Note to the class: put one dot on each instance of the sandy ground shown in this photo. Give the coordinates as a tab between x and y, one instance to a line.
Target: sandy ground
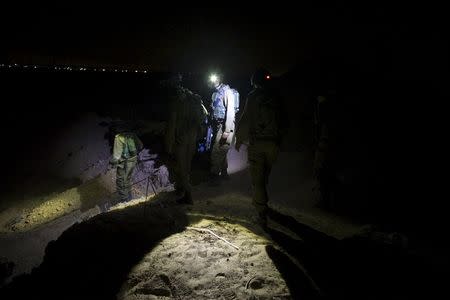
181	263
145	249
26	231
45	233
195	265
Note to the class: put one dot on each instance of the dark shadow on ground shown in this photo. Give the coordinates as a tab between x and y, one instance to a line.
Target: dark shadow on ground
358	268
91	260
298	284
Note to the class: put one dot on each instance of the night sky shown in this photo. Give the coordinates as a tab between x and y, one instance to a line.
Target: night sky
229	37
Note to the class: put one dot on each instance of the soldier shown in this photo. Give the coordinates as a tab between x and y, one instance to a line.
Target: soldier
323	167
260	125
224	105
126	148
186	115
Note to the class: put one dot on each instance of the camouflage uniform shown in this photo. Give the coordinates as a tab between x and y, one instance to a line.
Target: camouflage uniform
223	115
323	167
260	125
126	147
186	116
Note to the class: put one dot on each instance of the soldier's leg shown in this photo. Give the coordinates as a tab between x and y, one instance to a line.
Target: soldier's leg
130	166
176	169
326	188
218	153
120	182
271	151
186	151
226	148
182	165
256	159
319	179
190	153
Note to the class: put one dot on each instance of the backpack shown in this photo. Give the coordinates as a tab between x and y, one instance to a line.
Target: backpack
236	100
219	109
133	145
268	123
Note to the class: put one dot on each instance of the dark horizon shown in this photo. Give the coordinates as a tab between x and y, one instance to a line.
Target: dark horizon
195	39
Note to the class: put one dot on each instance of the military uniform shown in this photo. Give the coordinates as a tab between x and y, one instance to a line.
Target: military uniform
126	148
187	113
260	125
324	167
223	116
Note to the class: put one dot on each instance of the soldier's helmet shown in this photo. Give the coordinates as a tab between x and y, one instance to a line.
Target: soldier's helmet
260	77
120	126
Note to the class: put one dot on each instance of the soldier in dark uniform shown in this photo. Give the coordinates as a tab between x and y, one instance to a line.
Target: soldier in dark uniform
186	115
324	177
261	125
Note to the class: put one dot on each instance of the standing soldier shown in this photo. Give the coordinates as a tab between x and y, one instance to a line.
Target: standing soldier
324	162
261	126
186	115
224	105
126	149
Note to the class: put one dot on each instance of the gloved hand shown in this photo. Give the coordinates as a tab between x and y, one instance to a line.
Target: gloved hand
112	165
225	139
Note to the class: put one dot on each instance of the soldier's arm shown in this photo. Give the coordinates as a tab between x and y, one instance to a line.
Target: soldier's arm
205	111
229	120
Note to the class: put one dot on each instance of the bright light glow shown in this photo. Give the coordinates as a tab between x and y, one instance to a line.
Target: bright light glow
103	70
145	71
267	77
213	78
